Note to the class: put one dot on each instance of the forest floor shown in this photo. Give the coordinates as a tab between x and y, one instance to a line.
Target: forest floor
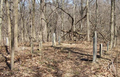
65	60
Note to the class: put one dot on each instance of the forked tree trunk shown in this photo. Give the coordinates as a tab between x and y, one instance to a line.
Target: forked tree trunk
43	21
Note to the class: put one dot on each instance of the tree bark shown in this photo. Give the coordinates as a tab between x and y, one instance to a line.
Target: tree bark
81	12
1	11
14	39
43	21
9	24
74	17
33	19
95	47
88	25
115	26
74	9
16	24
22	9
112	23
62	27
96	15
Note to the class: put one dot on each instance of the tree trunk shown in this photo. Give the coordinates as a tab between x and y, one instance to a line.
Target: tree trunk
43	21
81	12
115	27
1	6
16	24
96	15
14	41
12	51
95	47
112	23
33	19
88	25
62	27
9	24
22	22
74	11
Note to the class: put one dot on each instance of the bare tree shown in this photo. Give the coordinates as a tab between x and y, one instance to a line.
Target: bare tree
33	19
112	23
1	6
115	26
16	24
88	25
74	17
22	9
81	12
14	45
43	20
96	14
62	17
9	23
